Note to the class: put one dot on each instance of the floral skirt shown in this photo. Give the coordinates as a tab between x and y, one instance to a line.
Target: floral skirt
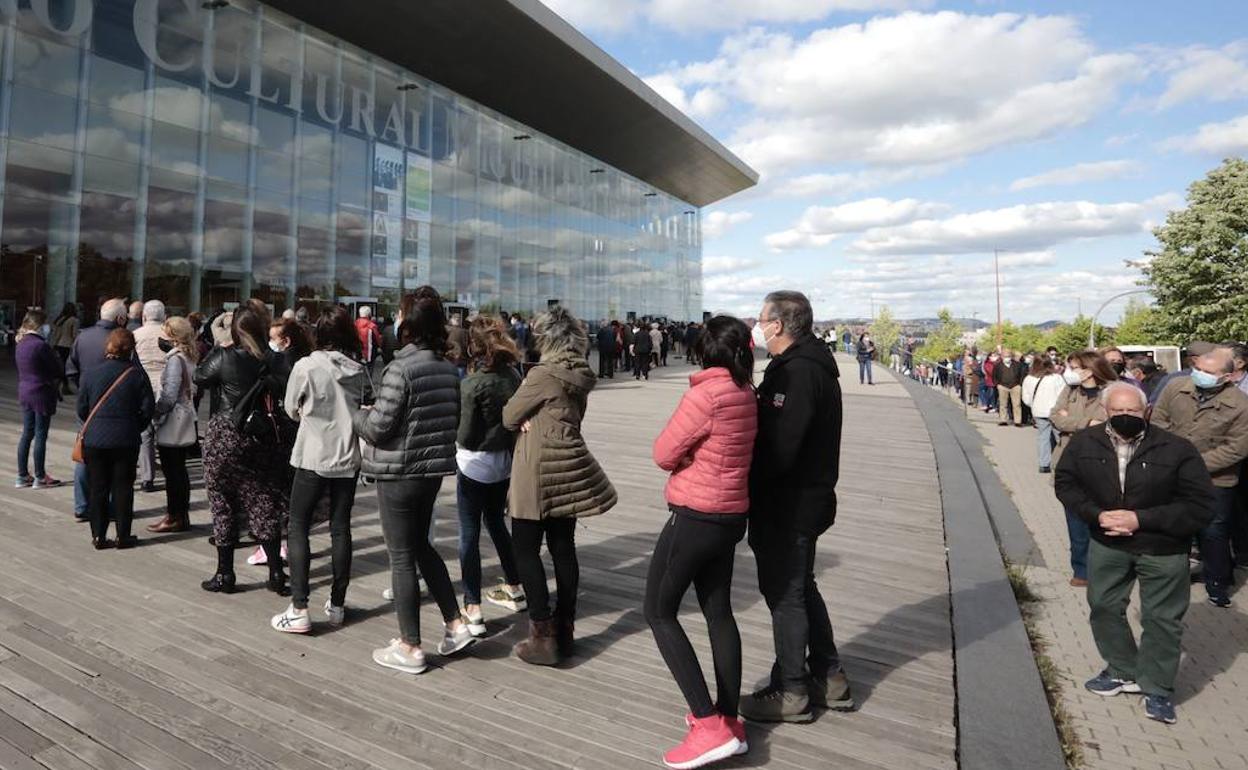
248	483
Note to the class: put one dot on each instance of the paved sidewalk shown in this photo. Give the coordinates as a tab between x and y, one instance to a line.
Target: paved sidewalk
1212	690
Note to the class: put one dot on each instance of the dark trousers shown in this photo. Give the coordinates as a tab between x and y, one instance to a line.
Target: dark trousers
177	481
799	618
1239	524
697	552
479	501
1080	536
1215	543
606	364
641	366
560	534
110	472
406	516
305	492
864	371
34	436
1165	590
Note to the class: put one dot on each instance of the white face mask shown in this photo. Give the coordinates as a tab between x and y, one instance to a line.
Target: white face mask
1072	377
276	348
760	336
1008	360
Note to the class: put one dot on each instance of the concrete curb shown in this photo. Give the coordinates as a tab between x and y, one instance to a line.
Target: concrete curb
1004	721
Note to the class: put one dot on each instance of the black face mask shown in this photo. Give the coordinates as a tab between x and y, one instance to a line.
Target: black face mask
165	345
1127	425
1119	367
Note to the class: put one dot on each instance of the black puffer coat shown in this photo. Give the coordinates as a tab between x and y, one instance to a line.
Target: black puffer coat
410	431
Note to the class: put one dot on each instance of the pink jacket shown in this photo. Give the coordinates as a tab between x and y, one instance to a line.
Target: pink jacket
708	445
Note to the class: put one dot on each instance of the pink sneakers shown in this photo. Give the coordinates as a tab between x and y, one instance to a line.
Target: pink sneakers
709	740
738	729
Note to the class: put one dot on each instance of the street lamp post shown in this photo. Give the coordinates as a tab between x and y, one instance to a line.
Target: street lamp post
1105	304
996	268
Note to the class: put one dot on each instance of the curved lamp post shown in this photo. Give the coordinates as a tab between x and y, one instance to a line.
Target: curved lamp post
1105	304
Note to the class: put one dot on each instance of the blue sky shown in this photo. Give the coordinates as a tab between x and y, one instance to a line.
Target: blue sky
901	141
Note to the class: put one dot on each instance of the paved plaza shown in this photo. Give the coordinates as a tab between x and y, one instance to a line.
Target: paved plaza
119	660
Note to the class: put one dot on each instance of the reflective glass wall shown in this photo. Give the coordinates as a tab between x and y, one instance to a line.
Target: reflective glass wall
160	149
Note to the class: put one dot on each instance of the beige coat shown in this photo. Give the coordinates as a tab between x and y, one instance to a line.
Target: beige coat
553	474
1080	411
147	347
1218	427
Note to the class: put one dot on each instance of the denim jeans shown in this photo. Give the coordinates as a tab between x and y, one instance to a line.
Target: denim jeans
80	489
1044	441
406	516
1080	536
479	501
305	492
34	436
864	371
1215	543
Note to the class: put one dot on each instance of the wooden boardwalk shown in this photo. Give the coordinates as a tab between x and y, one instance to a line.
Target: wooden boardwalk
118	659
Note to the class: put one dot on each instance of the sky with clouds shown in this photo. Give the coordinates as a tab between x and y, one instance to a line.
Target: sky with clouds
900	142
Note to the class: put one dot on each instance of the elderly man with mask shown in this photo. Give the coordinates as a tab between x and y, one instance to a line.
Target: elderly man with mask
147	347
793	479
1208	410
1144	492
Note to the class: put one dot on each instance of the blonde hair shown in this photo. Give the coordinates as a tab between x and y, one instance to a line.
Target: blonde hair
557	330
180	332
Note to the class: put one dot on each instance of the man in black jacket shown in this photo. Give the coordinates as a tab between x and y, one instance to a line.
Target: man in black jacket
606	349
1009	376
1145	493
793	501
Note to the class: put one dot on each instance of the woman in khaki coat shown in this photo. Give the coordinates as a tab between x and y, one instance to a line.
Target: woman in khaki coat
1079	407
554	480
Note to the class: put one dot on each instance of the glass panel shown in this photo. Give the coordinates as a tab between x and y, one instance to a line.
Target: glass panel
114	134
37	171
110	176
167	273
41	63
43	117
106	247
175	148
176	103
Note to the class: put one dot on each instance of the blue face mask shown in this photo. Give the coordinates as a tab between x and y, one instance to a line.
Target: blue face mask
1204	380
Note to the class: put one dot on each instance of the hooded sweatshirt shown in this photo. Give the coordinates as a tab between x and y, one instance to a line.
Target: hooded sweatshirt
797	454
553	473
324	390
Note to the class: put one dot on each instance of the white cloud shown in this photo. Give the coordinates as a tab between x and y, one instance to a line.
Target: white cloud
910	89
719	266
844	184
1209	74
1025	227
704	103
1229	138
1079	174
716	223
820	225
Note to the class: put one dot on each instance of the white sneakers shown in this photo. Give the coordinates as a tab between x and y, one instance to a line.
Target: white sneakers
292	621
457	640
396	658
475	622
388	594
503	596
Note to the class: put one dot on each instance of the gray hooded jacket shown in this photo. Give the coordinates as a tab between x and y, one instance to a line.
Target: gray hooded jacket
324	392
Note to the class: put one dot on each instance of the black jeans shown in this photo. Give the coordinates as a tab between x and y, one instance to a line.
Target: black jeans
177	480
406	515
1215	544
641	365
799	618
697	551
305	492
526	539
110	472
606	364
479	501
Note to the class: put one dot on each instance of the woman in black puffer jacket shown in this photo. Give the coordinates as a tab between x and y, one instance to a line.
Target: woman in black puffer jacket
409	436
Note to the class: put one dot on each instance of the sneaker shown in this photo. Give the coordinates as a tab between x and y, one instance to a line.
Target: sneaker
1106	684
709	740
456	641
738	730
396	658
772	704
476	623
336	615
258	558
1046	469
149	486
388	594
292	621
1220	601
23	481
505	598
47	482
1159	708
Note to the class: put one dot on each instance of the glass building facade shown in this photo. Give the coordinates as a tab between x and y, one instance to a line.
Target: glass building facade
203	155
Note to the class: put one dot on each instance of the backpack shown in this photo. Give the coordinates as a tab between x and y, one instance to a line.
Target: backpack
257	414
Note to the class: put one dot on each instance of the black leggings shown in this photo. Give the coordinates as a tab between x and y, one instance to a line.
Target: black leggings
697	551
526	541
305	493
406	516
177	481
110	475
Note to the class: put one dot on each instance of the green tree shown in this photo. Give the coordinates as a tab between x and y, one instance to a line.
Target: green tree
946	340
885	331
1021	338
1199	272
1138	325
1073	337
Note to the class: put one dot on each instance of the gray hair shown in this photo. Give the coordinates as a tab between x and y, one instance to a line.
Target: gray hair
136	309
1109	390
153	310
557	330
366	311
793	311
112	310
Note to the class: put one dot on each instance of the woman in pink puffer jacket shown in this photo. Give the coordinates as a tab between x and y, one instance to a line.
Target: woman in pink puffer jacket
707	445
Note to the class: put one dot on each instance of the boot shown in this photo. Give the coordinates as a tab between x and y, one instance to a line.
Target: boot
541	648
564	638
277	575
223	581
831	692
